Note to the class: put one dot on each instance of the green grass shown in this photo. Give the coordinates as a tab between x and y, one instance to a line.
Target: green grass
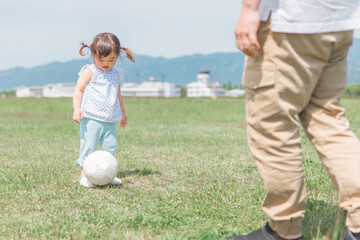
186	169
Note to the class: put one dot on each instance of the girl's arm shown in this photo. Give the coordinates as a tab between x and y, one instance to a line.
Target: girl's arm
83	80
123	122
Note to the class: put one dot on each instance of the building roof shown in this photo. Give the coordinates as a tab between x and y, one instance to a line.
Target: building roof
204	71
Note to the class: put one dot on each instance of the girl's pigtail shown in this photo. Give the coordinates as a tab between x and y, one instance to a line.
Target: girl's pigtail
129	54
82	47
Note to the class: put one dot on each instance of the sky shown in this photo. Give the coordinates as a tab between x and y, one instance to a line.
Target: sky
36	32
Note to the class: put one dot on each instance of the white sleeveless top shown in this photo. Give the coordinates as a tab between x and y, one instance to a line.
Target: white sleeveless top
99	100
311	16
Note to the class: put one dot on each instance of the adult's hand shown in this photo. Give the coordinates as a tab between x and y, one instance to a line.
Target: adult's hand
246	30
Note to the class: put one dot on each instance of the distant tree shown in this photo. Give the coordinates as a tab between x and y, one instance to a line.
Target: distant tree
352	90
8	93
183	90
228	86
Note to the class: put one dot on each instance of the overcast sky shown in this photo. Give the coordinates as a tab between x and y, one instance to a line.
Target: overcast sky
36	32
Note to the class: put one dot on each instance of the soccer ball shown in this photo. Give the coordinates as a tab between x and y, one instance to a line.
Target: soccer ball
100	167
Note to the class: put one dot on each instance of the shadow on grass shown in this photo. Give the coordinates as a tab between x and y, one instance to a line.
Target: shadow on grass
137	172
323	220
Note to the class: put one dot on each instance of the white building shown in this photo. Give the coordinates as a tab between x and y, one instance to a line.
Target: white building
203	87
25	91
150	88
235	92
59	90
50	91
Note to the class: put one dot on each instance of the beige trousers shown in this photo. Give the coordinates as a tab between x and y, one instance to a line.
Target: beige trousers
300	75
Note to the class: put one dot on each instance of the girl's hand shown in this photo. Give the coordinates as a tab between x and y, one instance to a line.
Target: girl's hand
123	122
77	114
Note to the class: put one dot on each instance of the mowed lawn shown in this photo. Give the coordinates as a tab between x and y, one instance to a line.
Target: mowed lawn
186	168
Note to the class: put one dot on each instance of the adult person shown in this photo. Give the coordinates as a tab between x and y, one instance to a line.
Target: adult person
296	66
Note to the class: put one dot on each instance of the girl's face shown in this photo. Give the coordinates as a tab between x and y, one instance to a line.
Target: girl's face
106	63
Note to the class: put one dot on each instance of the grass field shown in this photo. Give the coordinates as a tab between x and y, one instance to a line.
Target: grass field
186	169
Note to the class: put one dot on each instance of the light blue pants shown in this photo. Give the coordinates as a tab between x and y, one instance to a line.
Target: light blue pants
91	133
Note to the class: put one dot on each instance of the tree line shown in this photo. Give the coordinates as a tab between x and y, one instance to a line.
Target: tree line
352	90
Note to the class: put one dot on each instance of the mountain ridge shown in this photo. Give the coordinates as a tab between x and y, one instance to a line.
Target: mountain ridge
224	68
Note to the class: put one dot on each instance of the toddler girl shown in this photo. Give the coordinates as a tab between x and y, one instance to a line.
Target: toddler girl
97	100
